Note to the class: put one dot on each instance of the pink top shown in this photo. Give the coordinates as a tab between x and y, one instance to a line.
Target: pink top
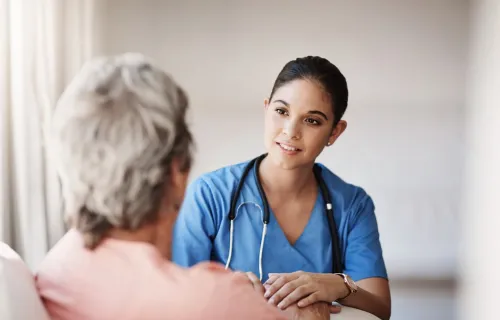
130	280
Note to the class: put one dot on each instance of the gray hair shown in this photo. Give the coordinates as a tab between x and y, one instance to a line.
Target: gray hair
114	133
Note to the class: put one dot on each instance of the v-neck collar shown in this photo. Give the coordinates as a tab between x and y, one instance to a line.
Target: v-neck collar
275	226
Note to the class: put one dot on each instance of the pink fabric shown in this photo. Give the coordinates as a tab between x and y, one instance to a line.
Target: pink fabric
130	280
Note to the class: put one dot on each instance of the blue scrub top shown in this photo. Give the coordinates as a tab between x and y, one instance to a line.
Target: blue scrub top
201	231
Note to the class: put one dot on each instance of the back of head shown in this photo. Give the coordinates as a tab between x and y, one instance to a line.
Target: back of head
323	72
113	135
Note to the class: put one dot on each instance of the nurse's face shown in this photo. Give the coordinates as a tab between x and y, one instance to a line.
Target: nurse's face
299	124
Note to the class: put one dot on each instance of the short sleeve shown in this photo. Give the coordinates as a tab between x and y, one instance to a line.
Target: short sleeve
363	256
195	226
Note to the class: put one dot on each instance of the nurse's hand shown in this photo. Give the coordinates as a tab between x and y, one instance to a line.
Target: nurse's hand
304	288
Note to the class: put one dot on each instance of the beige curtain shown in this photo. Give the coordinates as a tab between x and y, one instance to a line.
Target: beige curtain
42	44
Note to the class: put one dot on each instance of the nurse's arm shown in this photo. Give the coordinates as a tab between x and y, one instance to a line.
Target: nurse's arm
364	262
195	226
373	296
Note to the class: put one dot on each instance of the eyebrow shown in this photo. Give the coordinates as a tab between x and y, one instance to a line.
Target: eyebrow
316	112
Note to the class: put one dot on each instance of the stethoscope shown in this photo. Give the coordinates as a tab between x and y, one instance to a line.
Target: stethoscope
337	266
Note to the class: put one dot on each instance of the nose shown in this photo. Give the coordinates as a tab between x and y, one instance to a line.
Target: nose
291	129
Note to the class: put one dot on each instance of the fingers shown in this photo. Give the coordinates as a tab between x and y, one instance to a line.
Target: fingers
252	277
300	291
274	276
271	279
256	282
271	275
335	308
308	300
276	285
283	293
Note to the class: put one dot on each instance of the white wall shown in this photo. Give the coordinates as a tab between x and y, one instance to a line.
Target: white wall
405	62
480	263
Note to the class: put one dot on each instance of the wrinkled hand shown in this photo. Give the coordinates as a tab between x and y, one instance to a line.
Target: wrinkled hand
303	288
255	282
315	311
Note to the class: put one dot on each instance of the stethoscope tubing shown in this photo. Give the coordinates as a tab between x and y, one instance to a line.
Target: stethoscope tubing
337	265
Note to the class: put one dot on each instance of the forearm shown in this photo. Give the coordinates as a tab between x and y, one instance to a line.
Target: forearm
368	302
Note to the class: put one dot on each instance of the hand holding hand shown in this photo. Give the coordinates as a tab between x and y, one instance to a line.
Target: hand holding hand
304	288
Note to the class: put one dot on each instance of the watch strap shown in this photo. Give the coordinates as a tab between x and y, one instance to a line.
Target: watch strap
351	286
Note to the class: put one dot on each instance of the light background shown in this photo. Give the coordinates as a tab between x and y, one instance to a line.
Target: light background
406	64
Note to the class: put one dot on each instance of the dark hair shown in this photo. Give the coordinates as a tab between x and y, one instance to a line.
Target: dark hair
322	71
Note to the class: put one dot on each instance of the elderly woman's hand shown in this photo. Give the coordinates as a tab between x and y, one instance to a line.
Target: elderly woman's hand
257	285
304	288
316	311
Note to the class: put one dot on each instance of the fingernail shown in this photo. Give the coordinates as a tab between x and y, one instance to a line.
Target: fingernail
280	305
267	294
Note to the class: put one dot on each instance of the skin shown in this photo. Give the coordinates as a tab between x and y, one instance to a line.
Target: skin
315	311
300	115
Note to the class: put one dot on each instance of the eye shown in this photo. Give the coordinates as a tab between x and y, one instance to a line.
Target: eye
281	111
313	121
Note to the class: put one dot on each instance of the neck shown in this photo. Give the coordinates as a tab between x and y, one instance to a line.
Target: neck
146	233
284	182
157	235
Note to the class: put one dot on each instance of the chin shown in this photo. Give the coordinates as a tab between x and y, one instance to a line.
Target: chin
286	162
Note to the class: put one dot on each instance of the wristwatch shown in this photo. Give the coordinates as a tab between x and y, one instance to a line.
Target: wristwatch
350	284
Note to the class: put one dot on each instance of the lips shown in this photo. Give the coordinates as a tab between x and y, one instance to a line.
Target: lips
288	147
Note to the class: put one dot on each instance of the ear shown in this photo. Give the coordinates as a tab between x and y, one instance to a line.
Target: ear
266	103
337	132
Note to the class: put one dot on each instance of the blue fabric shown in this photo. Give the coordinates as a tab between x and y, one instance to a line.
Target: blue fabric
202	229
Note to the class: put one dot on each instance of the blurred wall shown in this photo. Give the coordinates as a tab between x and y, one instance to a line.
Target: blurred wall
405	62
481	220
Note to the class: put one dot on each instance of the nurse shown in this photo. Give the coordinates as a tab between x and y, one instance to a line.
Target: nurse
289	246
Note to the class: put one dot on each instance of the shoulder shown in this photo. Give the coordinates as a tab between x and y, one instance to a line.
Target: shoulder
346	196
210	193
222	177
218	183
68	250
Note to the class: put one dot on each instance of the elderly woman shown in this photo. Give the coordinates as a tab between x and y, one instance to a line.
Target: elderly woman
122	149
